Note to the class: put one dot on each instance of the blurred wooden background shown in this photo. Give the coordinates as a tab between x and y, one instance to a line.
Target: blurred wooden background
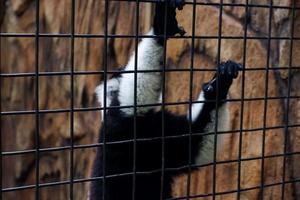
17	56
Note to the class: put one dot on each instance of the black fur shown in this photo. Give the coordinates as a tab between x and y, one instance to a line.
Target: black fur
119	135
120	154
165	13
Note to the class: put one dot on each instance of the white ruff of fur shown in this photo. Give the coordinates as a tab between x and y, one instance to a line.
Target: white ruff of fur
148	84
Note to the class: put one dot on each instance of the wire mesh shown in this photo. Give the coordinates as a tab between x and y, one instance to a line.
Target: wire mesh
72	110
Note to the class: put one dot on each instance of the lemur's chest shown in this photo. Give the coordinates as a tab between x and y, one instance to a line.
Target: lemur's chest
145	141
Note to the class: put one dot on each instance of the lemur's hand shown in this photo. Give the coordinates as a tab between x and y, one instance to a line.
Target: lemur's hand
168	8
176	3
226	73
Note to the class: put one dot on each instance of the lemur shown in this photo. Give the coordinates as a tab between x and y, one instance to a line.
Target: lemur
143	152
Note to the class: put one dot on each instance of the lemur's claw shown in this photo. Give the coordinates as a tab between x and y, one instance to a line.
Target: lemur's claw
230	69
227	71
180	4
176	3
165	21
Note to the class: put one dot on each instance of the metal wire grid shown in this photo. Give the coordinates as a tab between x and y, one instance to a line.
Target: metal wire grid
72	73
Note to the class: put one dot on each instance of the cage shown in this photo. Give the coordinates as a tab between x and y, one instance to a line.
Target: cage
54	53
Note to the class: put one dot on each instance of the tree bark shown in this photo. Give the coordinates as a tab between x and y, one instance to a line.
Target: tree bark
18	93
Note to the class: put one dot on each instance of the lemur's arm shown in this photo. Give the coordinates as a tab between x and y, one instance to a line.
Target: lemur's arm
203	114
148	84
149	57
203	120
120	92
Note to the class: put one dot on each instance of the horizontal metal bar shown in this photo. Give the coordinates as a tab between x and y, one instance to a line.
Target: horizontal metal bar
101	72
47	111
59	183
78	35
251	5
235	191
52	149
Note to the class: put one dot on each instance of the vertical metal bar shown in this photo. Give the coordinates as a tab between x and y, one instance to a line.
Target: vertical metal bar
217	96
266	100
163	104
286	129
72	99
188	185
37	116
1	115
104	100
137	13
242	102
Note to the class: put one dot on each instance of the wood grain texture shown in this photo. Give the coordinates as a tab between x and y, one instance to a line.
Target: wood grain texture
17	56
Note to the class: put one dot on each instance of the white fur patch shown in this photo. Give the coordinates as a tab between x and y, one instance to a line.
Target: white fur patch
150	54
197	107
206	153
112	85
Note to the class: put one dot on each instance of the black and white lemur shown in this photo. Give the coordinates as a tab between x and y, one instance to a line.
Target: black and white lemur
120	128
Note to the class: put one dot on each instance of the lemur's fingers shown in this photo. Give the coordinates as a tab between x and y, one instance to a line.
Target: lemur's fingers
227	72
230	69
177	3
165	18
